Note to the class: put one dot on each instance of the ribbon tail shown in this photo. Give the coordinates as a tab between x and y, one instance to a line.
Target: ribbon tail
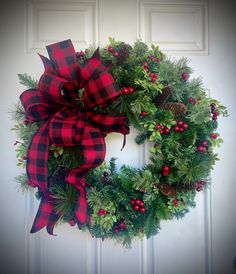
46	216
82	211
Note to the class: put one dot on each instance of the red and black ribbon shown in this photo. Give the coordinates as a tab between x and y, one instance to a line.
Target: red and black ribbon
66	123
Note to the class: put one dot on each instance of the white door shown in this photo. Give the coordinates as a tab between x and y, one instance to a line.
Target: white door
204	241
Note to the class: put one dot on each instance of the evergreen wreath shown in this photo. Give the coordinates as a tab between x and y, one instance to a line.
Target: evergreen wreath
171	111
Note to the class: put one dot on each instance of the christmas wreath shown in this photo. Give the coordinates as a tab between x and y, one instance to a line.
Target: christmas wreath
64	117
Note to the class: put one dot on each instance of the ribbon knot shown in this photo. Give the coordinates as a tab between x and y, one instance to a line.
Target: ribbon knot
69	123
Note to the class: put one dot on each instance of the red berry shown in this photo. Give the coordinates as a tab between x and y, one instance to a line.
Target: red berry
145	64
151	57
164	173
151	74
176	129
116	54
146	68
72	222
116	230
141	204
203	143
216	113
167	130
136	207
213	135
201	149
26	122
110	49
137	202
24	157
181	129
158	60
125	90
158	126
214	118
175	203
130	89
166	169
184	76
180	123
161	131
185	126
142	210
143	114
153	79
132	202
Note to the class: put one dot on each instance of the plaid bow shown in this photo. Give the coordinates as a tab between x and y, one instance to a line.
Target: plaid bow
68	124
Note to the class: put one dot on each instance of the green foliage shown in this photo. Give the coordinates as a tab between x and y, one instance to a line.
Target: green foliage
65	197
28	81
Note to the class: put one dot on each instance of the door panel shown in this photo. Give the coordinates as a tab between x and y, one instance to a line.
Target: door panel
203	241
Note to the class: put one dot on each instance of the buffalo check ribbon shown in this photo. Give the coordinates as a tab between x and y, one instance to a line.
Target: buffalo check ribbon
67	123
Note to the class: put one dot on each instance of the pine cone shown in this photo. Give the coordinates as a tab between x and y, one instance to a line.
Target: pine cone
177	108
58	177
161	98
167	190
123	53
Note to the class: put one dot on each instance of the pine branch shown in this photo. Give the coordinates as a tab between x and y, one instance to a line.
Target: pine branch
28	81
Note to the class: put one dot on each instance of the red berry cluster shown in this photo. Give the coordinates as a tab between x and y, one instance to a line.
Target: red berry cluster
102	212
214	136
180	126
119	227
138	205
184	76
175	203
202	146
162	129
165	171
127	90
214	112
153	77
111	50
192	101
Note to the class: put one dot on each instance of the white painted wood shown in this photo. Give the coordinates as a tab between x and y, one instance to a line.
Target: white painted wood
203	242
48	22
185	30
